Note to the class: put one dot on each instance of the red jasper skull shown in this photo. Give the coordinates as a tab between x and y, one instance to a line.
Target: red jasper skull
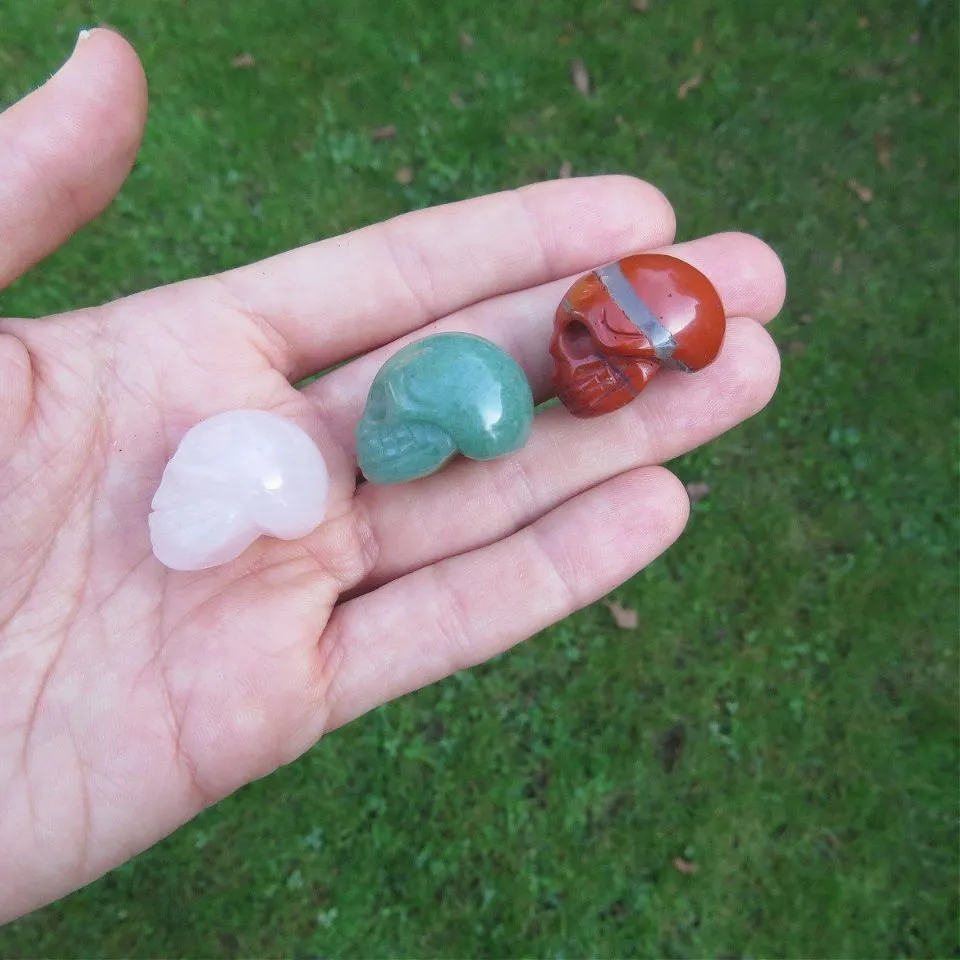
618	325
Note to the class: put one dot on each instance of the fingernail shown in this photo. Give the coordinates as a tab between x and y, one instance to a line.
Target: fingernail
81	36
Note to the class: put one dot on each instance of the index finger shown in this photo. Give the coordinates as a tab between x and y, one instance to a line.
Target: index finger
334	299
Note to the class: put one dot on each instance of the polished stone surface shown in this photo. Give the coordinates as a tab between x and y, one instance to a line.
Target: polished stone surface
620	324
235	477
444	394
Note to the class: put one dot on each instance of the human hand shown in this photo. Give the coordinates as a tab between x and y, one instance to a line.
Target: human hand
130	696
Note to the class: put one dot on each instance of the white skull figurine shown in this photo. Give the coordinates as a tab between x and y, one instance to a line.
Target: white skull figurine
233	478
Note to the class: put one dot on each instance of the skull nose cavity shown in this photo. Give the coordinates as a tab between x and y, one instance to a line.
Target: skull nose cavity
577	341
376	408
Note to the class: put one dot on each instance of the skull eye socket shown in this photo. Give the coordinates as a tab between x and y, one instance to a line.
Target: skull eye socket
376	408
576	340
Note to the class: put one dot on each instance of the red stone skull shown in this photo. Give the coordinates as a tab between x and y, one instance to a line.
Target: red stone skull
618	325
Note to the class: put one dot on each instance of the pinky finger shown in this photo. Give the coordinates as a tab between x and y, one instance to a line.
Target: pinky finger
466	609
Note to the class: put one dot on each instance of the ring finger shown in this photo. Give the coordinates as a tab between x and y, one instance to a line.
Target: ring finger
745	271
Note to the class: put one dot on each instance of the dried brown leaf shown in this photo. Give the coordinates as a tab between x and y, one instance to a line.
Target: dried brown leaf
837	265
566	170
457	100
882	144
688	85
685	867
863	22
864	194
697	491
796	347
580	76
670	746
624	617
466	40
244	61
915	98
641	6
384	133
404	176
698	46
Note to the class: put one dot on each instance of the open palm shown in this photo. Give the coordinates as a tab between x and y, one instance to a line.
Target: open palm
131	696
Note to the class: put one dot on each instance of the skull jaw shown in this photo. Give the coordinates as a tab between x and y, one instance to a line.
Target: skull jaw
399	452
598	385
200	534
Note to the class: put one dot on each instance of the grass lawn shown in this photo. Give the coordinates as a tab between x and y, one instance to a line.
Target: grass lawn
767	764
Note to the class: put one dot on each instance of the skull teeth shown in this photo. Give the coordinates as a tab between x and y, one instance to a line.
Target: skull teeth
396	442
601	380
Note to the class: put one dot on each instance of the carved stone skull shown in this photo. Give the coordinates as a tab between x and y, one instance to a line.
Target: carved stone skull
447	393
234	477
618	325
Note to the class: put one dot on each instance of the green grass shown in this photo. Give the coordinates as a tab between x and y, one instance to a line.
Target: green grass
785	717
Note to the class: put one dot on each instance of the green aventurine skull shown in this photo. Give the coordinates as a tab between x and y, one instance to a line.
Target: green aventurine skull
446	393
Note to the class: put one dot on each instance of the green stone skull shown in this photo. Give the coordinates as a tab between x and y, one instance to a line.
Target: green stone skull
444	394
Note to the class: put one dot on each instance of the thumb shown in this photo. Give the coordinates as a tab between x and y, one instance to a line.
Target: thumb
67	147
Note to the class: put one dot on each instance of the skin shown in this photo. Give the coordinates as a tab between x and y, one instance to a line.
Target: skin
131	697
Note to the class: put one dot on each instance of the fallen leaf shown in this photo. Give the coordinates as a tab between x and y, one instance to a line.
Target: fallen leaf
865	194
806	318
581	78
624	617
384	133
837	265
914	38
243	61
566	170
670	746
688	85
685	866
882	144
698	46
404	176
863	22
457	100
466	40
862	71
697	491
796	347
641	6
862	221
915	98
